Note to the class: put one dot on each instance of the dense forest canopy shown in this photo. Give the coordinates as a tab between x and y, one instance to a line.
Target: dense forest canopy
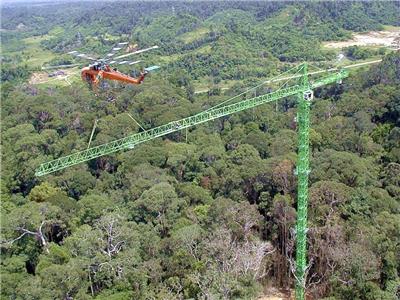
210	214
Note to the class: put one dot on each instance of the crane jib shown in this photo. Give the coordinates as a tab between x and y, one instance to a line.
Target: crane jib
130	141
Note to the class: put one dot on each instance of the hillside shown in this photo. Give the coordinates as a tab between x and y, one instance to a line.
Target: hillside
208	213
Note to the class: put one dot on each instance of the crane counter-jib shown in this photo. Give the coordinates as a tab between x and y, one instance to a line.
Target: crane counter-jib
130	141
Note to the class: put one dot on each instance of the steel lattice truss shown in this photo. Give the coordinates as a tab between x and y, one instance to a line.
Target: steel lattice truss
130	141
304	91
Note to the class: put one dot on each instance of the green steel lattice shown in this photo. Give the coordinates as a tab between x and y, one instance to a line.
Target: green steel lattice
130	141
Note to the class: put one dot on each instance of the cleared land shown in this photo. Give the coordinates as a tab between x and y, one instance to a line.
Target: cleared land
43	77
386	38
196	34
275	294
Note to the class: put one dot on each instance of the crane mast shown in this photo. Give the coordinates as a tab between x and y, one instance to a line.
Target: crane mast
304	92
302	171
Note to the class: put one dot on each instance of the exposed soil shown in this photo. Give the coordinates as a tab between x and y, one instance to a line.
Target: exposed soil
43	77
374	38
275	294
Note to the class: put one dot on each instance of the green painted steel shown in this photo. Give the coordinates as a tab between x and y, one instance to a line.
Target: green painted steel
130	141
304	92
302	171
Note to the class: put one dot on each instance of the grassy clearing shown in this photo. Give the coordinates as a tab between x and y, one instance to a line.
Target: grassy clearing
166	59
204	84
30	51
203	50
391	28
196	34
34	54
55	31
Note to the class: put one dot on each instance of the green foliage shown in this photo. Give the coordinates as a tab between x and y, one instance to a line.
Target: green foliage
164	28
14	73
357	52
209	214
344	167
386	73
42	192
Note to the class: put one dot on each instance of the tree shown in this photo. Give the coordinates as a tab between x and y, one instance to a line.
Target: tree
42	192
327	200
345	167
92	207
159	206
42	221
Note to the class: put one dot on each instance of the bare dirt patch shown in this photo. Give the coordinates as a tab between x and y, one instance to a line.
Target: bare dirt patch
275	294
385	38
43	77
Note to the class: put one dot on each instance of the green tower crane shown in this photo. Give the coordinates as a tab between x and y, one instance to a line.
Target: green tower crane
302	171
303	89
